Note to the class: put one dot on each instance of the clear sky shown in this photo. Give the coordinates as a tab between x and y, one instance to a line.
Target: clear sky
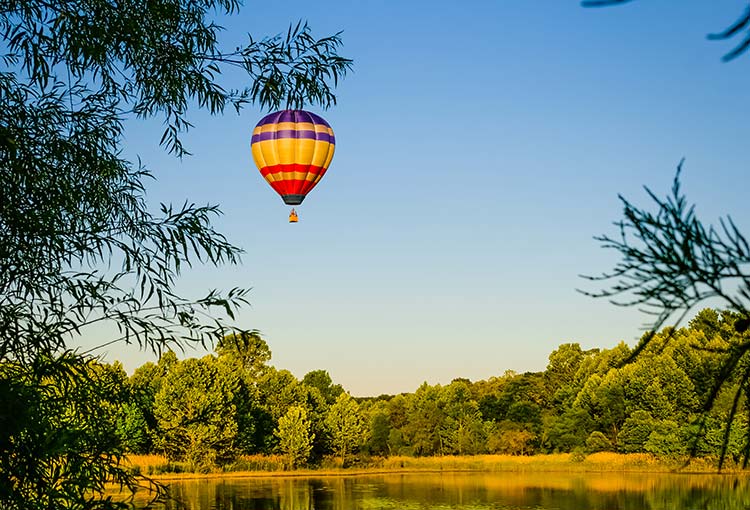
480	147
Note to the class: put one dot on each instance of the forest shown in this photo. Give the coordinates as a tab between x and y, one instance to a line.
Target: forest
209	412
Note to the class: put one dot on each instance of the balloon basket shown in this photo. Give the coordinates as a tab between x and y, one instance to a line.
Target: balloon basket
293	218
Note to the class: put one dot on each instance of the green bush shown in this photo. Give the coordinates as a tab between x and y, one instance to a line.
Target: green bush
598	442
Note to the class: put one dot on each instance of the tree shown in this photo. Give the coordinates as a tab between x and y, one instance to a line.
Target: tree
426	419
569	430
346	426
278	391
247	351
734	30
563	366
133	429
380	431
510	439
58	418
196	413
666	439
635	432
247	354
603	398
321	380
462	431
295	436
598	442
671	263
143	385
78	244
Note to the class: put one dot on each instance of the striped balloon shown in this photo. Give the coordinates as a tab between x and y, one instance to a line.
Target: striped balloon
292	149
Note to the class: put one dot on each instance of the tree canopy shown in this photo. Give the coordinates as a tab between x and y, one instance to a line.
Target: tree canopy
214	414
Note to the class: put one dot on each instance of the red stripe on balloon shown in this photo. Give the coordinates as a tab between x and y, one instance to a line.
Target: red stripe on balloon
292	187
274	169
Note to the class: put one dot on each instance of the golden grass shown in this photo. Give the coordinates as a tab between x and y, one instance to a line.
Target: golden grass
144	462
265	465
564	462
147	464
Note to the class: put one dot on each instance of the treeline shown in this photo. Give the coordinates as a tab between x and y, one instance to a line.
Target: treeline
208	411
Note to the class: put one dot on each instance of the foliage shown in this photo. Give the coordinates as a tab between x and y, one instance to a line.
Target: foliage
380	433
510	439
196	414
598	442
247	351
635	432
58	417
144	384
321	380
132	428
215	413
569	430
346	426
671	261
425	419
666	440
295	436
462	430
246	356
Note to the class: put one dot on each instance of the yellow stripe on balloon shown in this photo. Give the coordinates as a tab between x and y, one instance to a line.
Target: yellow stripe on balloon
293	176
288	151
329	156
298	126
264	154
260	161
304	150
258	156
323	154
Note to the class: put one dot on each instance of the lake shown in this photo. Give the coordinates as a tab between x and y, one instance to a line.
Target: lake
469	491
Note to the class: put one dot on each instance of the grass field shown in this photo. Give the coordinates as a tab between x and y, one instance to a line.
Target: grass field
264	465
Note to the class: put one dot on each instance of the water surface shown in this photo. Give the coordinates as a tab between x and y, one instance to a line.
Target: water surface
469	491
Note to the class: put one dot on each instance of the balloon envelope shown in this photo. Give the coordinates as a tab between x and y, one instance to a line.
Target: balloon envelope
292	149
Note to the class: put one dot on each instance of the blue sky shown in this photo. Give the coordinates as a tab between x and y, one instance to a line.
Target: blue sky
480	147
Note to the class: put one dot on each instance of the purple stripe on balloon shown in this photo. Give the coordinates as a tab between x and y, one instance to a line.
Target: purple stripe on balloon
291	133
268	119
287	116
318	120
292	116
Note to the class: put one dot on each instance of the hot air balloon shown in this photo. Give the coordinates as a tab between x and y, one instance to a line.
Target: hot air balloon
292	149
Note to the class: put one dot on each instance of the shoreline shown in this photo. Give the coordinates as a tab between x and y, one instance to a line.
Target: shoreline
150	466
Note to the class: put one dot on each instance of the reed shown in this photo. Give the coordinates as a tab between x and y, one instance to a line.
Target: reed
258	463
149	464
569	462
559	462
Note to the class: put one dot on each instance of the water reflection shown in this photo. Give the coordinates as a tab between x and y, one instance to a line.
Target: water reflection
469	491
